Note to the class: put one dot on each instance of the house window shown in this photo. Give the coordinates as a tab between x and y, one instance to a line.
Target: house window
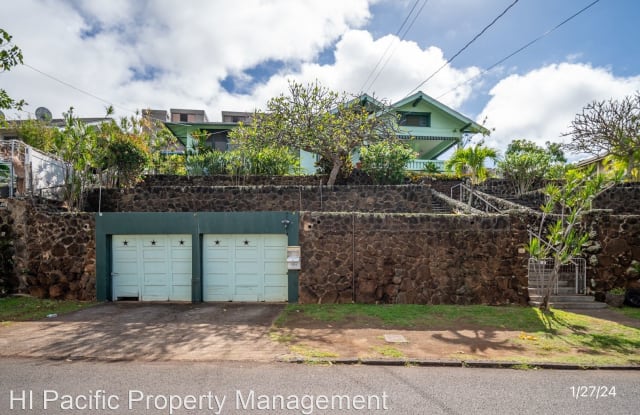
416	120
184	117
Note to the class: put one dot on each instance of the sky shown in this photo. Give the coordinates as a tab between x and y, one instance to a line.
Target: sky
221	55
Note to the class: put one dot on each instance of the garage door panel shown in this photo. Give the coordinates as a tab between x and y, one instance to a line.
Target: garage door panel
155	254
275	294
182	255
178	242
275	268
154	241
245	268
246	254
157	267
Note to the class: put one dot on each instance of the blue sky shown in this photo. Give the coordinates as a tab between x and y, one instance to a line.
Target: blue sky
214	55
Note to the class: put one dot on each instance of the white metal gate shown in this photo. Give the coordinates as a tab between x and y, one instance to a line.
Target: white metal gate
572	277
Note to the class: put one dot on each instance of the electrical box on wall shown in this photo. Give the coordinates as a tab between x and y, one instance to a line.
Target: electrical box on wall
293	258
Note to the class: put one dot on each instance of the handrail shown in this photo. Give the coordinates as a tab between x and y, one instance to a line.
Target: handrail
471	192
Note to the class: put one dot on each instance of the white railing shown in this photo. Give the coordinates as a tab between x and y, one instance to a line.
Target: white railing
466	193
26	171
572	277
419	165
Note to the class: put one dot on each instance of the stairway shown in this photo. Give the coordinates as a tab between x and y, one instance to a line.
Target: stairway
565	300
438	206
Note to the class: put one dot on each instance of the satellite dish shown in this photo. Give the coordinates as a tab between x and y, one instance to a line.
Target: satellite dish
43	114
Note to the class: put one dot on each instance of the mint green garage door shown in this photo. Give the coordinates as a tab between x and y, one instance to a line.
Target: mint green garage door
245	268
152	267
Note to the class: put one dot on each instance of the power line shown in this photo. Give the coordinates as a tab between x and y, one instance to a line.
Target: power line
545	34
415	17
76	88
464	47
389	45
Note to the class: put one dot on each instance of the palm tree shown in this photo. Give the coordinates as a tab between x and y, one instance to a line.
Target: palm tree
470	160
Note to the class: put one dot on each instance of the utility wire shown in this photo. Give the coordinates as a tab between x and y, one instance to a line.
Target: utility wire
463	48
545	34
75	87
389	45
415	17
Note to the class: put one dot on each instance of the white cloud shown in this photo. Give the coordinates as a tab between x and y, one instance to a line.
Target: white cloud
541	104
191	46
356	55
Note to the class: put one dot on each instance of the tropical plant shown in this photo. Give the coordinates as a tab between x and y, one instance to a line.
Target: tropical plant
430	168
317	120
385	161
470	160
269	161
559	236
78	146
36	133
207	164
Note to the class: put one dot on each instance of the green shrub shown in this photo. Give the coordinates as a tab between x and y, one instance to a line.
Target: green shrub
385	161
264	162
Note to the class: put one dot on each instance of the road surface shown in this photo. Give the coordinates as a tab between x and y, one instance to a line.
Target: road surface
83	387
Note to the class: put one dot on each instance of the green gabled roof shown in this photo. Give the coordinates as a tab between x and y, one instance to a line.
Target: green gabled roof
470	126
181	130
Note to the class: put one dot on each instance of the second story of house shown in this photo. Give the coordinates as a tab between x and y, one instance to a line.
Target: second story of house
425	124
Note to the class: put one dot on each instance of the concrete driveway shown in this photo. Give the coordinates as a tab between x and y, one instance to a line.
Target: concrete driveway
150	331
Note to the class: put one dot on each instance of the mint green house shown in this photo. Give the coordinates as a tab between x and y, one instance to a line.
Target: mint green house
425	124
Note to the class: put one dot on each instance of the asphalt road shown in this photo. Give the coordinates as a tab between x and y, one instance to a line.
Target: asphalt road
246	387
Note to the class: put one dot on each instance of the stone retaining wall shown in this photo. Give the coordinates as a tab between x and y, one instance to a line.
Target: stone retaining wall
408	198
614	245
376	255
225	180
54	255
422	259
622	199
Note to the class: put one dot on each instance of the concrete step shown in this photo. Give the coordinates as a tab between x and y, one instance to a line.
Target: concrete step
568	302
579	306
565	298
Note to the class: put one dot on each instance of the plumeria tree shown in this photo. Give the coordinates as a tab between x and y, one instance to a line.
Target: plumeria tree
318	120
609	128
559	235
526	164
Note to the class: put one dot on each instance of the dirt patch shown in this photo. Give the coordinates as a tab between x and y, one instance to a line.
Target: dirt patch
363	337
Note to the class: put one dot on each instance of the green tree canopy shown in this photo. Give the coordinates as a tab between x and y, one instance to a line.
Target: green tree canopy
315	119
526	164
10	56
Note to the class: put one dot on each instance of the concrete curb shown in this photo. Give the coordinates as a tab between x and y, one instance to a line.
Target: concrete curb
492	364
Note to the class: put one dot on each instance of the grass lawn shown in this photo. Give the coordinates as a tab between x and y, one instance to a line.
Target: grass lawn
559	336
29	308
633	312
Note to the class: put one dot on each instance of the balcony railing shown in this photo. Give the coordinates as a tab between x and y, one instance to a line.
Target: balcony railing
418	165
